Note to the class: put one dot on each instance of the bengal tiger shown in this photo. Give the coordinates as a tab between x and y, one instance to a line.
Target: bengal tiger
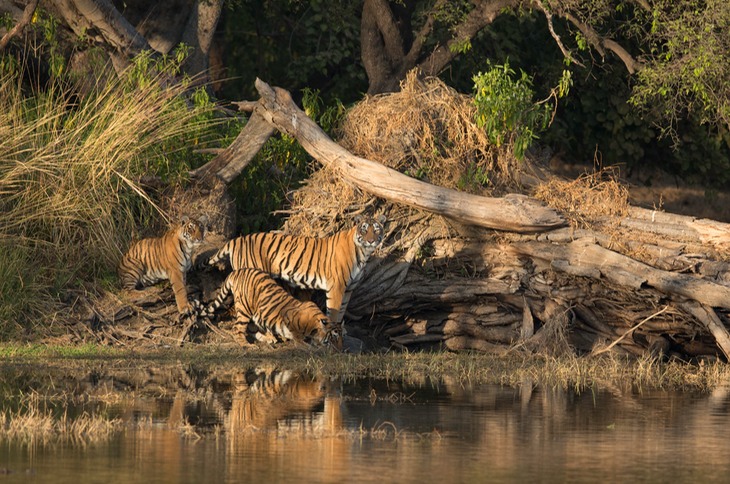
259	298
151	260
333	264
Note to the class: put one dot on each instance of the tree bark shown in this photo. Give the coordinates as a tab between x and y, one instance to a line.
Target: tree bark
158	26
229	163
198	34
101	21
389	48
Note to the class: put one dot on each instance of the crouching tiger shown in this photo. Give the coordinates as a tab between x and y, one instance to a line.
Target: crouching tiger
333	264
259	298
151	260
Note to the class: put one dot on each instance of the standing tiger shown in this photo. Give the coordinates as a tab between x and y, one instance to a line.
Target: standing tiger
259	298
333	264
151	260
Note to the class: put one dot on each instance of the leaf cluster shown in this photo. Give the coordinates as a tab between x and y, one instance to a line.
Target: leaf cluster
505	108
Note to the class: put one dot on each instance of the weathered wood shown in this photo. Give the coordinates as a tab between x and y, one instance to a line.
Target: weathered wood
516	213
709	318
705	231
229	163
588	259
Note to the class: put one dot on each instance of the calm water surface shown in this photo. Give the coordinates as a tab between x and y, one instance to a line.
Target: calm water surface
268	424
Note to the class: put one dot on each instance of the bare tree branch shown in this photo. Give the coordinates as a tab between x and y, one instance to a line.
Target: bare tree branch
549	17
483	14
24	20
601	44
423	34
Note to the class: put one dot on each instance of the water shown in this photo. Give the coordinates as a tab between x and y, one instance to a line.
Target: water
268	424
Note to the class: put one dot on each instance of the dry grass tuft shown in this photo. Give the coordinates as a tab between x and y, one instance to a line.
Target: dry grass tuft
587	200
34	426
427	131
70	199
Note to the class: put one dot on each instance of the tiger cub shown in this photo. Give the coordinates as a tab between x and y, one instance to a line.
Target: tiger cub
168	257
259	298
333	264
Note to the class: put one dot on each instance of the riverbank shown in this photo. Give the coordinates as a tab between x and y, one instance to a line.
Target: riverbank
513	369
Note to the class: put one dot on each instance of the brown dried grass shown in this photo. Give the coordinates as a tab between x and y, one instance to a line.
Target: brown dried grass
588	200
427	130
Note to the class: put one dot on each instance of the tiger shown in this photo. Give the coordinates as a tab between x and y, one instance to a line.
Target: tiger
154	259
258	298
272	396
333	264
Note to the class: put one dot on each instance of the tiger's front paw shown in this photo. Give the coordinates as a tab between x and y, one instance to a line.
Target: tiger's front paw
190	313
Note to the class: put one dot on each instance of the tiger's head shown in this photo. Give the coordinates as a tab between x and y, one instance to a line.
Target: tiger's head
332	334
318	328
192	231
369	232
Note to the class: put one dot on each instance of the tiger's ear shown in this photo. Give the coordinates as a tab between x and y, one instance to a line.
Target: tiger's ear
358	219
203	219
184	219
381	219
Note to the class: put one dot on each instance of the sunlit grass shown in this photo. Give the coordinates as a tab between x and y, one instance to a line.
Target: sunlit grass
515	369
32	425
70	193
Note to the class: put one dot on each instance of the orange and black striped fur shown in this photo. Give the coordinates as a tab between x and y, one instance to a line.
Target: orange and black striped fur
333	264
258	298
151	260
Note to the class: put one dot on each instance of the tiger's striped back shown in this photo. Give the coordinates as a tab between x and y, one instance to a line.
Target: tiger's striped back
333	264
151	260
259	298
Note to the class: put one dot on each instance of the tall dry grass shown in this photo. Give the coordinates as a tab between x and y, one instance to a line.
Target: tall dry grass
69	196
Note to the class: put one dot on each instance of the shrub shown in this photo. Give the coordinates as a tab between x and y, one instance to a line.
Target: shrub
70	200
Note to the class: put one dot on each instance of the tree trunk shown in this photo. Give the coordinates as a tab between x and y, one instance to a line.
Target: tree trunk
158	26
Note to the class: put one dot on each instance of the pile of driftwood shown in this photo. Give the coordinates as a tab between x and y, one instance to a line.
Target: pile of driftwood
571	267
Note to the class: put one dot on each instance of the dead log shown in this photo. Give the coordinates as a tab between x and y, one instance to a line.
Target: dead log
585	287
516	213
585	258
228	164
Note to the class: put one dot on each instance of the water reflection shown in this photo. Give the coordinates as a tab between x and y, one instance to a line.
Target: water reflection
186	424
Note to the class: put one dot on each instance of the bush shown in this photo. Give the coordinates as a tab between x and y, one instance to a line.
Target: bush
505	108
69	174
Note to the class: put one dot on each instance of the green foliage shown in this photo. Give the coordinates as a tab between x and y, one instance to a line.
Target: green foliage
49	26
474	178
506	110
687	72
281	164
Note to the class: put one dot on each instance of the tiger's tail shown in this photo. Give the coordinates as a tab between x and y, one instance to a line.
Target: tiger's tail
223	292
221	257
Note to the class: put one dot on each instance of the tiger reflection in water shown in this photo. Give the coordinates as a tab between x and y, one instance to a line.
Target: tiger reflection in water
270	398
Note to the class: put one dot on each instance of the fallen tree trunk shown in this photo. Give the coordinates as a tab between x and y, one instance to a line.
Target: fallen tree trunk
516	213
637	282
